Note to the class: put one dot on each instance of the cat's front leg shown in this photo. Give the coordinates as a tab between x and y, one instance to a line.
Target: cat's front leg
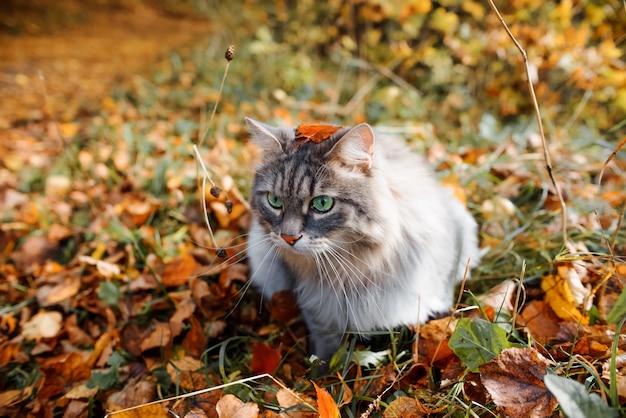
323	340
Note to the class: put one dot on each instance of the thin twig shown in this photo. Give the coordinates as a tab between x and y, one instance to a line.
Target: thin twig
230	53
544	143
218	387
610	158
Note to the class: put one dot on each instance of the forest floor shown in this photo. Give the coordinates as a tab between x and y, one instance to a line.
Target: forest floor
114	291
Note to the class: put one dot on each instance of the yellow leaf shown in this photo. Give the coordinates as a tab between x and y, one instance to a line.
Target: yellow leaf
443	21
326	406
560	299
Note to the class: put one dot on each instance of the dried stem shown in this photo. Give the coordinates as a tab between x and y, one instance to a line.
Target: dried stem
610	158
211	389
544	143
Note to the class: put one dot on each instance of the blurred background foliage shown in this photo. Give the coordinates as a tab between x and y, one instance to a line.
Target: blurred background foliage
449	62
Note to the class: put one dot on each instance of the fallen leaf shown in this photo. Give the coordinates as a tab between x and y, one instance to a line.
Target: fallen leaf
195	338
265	359
184	310
560	298
539	320
51	295
231	407
179	271
149	411
500	297
284	307
406	407
326	406
160	335
76	409
189	372
14	396
289	401
43	325
477	342
313	133
135	392
514	379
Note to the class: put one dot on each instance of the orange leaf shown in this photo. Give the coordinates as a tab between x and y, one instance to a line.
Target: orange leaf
313	133
265	359
326	405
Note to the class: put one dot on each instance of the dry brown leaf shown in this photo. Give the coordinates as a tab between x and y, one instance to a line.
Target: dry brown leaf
195	338
514	379
51	295
159	336
500	297
189	372
148	411
136	392
81	392
184	310
620	366
42	325
231	407
179	271
287	399
76	409
13	397
75	333
58	232
284	307
405	407
35	250
540	321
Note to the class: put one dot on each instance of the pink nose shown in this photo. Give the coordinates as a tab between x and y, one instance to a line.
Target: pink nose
290	239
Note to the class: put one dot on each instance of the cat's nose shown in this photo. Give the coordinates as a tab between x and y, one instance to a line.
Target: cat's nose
290	239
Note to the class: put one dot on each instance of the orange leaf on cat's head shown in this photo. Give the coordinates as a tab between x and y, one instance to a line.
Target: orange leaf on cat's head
313	133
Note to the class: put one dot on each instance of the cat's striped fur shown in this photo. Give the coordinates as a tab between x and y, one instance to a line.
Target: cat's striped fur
386	253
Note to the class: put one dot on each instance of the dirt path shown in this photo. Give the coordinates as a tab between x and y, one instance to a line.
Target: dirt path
69	66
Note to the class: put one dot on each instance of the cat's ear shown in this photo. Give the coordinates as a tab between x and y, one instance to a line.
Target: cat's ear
356	147
266	136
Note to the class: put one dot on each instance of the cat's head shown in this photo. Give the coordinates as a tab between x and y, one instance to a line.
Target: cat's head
309	196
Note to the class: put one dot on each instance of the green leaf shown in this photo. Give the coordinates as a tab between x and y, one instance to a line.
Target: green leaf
476	342
104	381
574	399
619	309
108	380
109	293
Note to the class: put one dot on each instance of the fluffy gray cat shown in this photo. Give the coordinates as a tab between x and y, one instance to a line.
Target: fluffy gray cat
356	226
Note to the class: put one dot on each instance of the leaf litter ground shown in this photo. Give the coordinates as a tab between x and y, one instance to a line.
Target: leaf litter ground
113	293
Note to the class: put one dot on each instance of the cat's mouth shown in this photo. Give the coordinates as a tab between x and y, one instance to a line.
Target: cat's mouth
294	244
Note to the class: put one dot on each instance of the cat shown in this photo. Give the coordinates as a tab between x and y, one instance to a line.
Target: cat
358	228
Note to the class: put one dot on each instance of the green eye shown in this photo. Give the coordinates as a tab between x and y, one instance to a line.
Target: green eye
322	203
274	201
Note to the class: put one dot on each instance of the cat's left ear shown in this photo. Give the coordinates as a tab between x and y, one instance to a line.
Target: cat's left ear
356	147
266	136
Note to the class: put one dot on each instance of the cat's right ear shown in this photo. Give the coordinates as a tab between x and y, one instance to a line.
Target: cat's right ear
266	136
356	147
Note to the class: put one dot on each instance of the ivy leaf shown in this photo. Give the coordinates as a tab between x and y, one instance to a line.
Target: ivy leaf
476	342
574	399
